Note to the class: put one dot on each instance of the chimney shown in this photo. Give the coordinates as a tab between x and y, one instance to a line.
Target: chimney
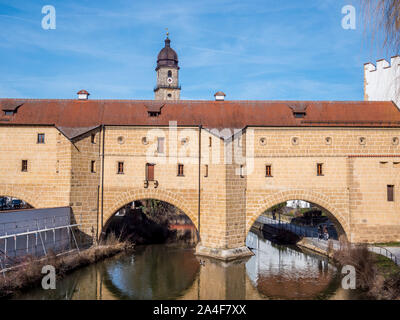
83	95
219	96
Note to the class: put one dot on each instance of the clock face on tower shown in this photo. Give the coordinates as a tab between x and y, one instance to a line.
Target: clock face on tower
169	80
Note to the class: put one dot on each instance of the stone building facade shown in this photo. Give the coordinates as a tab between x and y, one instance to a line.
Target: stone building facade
221	162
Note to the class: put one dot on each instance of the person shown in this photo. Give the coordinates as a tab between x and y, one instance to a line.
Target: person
273	215
326	234
319	232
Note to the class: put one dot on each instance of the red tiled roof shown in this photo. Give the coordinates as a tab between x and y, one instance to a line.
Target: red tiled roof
209	114
219	93
83	92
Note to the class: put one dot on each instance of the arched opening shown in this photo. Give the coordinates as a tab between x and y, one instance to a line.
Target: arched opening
280	269
169	73
151	221
300	217
13	203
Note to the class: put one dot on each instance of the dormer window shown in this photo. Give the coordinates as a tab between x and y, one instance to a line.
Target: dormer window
154	114
154	108
299	114
10	107
298	109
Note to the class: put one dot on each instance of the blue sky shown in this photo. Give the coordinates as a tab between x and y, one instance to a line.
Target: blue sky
251	50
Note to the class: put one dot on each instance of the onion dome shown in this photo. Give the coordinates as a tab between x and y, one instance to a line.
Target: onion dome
167	56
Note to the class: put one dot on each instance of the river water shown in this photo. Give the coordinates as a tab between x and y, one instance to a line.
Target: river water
172	272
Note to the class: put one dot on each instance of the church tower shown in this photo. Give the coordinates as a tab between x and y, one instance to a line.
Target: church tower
167	69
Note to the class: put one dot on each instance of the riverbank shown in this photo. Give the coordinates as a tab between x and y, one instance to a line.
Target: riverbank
29	273
376	275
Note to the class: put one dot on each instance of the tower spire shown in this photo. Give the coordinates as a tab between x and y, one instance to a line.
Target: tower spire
167	40
167	69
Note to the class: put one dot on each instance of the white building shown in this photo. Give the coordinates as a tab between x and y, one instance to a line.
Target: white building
297	204
381	82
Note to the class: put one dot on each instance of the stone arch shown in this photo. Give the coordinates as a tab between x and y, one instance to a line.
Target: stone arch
120	199
30	197
318	199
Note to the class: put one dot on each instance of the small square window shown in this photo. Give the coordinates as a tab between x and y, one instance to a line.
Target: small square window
180	170
40	138
206	170
24	166
8	113
120	167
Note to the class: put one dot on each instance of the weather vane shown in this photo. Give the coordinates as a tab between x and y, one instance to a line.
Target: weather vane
167	31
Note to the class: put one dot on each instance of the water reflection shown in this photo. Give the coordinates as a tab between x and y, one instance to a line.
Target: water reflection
148	275
162	272
282	272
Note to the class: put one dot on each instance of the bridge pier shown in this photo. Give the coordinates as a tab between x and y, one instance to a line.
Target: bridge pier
224	254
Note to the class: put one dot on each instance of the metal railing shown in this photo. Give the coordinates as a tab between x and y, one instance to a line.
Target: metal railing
301	231
384	252
17	246
315	238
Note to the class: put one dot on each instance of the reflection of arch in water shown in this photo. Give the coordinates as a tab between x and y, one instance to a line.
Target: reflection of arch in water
153	272
275	279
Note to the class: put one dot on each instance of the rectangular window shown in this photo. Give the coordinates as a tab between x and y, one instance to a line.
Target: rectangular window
180	170
210	141
40	138
390	193
239	141
120	167
93	166
8	113
241	171
24	167
149	172
160	145
319	169
268	170
206	170
92	138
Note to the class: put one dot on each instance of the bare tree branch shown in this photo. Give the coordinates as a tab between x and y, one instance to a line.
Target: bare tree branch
383	17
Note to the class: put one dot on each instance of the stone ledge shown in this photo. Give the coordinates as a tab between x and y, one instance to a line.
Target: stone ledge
223	254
